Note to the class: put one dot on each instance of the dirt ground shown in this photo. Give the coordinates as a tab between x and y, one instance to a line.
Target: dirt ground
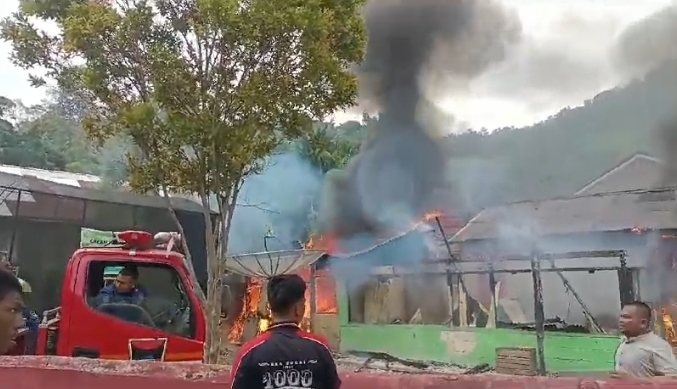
365	363
227	354
360	363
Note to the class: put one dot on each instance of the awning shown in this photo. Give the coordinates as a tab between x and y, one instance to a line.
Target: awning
271	263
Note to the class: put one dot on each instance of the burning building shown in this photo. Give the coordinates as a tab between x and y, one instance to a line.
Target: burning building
640	222
373	207
251	315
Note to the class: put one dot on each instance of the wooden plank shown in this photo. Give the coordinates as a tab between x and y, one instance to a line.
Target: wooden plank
327	325
516	360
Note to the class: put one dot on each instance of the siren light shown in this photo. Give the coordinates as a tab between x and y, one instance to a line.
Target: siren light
136	239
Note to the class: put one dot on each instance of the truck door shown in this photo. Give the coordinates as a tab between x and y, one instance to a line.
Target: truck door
160	320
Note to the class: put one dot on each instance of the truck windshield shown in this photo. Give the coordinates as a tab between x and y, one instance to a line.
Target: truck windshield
147	294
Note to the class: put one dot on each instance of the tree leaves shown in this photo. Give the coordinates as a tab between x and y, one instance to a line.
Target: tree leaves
205	88
233	79
327	147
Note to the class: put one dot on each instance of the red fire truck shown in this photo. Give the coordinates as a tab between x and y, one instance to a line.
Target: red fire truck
168	325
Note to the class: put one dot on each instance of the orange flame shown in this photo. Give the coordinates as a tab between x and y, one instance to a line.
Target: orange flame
428	217
324	242
263	325
638	230
326	301
310	244
325	286
249	310
668	325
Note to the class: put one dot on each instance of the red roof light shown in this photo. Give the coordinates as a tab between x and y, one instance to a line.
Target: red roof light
139	240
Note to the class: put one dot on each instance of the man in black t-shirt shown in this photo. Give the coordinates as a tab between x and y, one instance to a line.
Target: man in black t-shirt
285	356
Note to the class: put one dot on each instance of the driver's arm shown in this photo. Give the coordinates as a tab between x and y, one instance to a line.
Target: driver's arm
104	296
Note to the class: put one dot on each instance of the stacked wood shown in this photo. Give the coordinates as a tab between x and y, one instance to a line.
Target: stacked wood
516	361
384	301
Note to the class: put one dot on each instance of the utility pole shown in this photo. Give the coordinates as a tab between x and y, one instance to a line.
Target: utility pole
539	313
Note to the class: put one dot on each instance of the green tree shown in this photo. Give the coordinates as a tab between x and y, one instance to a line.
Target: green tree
22	140
205	88
326	148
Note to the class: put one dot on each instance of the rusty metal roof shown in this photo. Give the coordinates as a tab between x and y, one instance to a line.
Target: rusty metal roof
642	209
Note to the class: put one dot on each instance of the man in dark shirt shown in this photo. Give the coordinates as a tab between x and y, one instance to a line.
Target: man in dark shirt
11	307
32	321
125	289
285	356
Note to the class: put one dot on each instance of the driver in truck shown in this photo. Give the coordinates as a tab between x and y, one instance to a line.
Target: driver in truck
125	289
11	308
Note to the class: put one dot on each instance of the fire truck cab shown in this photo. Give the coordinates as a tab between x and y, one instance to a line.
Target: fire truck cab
168	324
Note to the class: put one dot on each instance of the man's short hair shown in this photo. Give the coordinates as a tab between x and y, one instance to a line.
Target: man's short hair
643	307
284	291
130	271
9	283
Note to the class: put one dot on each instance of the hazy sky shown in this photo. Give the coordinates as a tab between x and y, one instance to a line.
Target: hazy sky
564	60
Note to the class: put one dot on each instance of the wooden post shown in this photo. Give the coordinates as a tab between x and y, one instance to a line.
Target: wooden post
455	292
539	313
15	220
313	295
452	280
493	310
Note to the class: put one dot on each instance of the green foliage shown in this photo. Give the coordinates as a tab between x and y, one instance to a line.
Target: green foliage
561	154
206	89
328	146
25	144
44	137
552	158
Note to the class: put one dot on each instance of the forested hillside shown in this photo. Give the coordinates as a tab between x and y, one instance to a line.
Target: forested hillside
551	158
49	136
560	155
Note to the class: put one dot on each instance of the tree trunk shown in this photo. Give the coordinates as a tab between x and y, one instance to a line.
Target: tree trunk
213	303
213	307
216	260
188	258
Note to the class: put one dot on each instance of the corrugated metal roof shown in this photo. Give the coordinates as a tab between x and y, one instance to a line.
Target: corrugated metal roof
643	209
60	177
37	188
638	172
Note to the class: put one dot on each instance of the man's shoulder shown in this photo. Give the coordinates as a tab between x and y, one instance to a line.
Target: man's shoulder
315	338
253	343
141	291
654	343
659	341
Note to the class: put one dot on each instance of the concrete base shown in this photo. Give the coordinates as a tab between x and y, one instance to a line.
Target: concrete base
69	373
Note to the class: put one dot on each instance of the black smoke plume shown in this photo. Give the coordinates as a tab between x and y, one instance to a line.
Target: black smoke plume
416	50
